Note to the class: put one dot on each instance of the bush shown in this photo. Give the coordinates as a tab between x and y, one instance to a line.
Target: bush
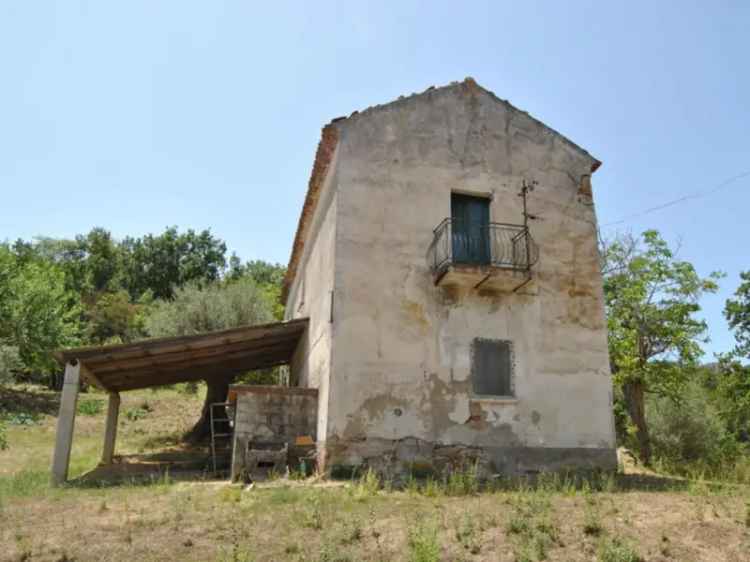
90	407
196	309
23	418
134	414
690	432
10	363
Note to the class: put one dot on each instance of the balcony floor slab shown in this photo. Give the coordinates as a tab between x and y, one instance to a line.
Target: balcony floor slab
482	277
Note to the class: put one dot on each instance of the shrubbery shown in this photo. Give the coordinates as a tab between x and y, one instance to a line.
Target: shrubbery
196	309
689	436
10	363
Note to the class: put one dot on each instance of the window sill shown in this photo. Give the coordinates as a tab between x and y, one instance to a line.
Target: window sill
495	399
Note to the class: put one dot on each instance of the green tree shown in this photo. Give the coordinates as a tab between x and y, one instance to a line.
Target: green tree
268	276
732	393
103	260
93	288
113	318
733	385
195	310
92	262
70	256
737	313
651	299
37	313
170	260
10	362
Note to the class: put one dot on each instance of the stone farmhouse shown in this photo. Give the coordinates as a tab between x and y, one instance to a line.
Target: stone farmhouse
447	260
444	307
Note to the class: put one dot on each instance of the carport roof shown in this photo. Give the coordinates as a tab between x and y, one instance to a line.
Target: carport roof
162	361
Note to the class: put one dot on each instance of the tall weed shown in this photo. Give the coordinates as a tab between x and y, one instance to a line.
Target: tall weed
423	542
367	485
463	482
612	549
533	526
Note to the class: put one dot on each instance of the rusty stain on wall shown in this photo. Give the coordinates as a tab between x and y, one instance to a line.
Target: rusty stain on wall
414	314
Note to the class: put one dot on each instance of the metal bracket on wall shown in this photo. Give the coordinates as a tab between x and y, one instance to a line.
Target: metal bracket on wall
524	283
483	280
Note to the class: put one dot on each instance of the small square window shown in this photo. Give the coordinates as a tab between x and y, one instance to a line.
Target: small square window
492	367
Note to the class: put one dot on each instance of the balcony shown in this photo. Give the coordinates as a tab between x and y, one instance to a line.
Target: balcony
492	257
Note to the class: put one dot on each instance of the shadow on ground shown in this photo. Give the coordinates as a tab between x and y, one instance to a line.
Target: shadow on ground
650	483
189	462
20	401
193	463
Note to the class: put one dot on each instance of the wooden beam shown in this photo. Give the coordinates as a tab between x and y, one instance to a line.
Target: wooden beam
89	376
110	432
125	383
65	423
95	354
154	359
280	351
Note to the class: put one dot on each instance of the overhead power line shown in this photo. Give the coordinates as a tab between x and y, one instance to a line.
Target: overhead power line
696	195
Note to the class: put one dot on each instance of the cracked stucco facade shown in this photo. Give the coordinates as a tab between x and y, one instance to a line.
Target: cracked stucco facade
389	351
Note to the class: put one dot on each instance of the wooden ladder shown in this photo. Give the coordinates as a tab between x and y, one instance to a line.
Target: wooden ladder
222	419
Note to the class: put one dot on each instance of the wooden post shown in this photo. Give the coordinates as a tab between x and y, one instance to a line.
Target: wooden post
65	423
110	433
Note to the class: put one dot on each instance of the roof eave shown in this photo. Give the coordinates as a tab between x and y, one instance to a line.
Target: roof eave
323	158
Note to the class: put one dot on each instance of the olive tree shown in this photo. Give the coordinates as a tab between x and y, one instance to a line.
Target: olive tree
195	310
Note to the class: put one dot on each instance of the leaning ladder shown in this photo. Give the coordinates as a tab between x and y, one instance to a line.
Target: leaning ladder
214	434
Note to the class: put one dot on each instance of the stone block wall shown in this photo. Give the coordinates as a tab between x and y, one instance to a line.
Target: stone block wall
396	459
273	414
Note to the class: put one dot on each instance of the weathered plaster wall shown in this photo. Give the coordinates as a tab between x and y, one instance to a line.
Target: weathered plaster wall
310	296
272	414
401	368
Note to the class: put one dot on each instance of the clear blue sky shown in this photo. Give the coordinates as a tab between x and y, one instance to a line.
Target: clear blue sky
138	115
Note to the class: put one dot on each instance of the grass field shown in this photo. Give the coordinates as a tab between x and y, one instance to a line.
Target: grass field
621	518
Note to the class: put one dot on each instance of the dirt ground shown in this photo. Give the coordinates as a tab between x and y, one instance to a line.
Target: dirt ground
214	521
634	516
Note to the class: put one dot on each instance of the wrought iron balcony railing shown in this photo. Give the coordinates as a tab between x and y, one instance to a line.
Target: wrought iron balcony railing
499	245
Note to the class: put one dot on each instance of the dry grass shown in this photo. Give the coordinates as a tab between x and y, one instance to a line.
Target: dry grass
210	520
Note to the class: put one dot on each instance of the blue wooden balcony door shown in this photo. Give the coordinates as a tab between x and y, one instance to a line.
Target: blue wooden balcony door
470	220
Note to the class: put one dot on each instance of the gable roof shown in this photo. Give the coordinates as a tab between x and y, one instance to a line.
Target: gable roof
327	147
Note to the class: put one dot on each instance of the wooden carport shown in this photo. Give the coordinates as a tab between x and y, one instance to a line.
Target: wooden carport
163	361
